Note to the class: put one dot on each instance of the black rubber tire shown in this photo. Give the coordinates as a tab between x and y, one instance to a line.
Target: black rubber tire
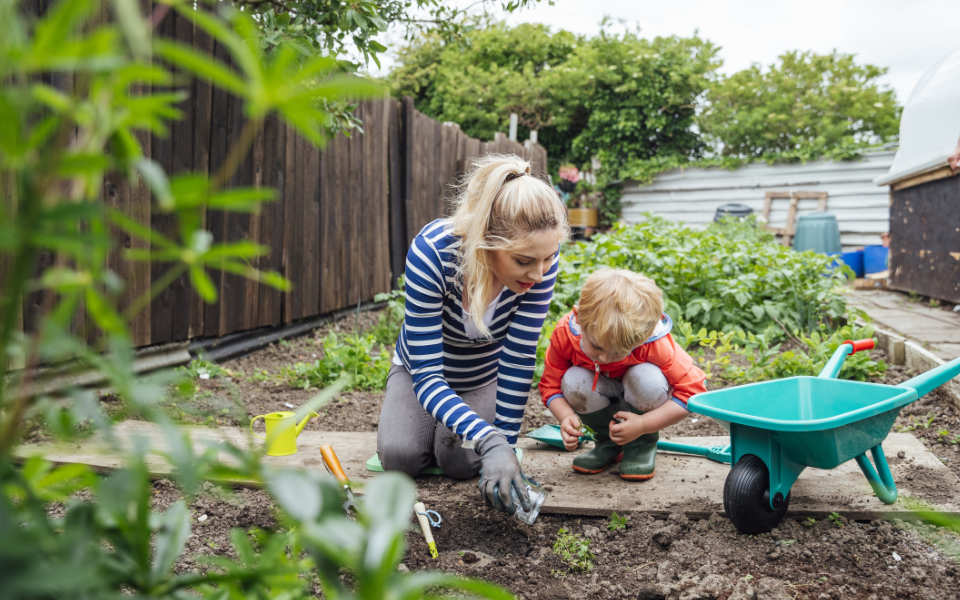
746	497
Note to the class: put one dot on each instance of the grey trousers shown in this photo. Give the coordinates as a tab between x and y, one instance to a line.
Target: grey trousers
409	439
643	387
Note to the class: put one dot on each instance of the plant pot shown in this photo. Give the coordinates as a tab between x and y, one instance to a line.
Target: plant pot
582	217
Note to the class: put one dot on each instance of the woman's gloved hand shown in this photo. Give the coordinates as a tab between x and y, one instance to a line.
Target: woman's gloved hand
499	470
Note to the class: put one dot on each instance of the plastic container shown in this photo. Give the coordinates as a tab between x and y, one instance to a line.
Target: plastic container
537	495
854	260
732	209
875	259
818	232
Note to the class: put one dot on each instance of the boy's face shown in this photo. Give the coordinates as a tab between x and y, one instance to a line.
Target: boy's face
598	353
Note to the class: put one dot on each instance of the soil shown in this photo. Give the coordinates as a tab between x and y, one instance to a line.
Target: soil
650	556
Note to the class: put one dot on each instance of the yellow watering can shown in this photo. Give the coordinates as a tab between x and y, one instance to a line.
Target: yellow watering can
282	431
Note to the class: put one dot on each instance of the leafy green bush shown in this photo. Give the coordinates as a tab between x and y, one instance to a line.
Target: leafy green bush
729	276
746	308
357	356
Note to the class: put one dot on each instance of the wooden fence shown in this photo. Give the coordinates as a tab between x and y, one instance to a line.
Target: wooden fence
339	228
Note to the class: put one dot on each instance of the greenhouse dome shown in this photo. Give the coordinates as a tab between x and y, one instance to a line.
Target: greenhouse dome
930	124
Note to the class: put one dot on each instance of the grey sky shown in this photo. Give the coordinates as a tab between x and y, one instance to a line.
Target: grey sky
906	36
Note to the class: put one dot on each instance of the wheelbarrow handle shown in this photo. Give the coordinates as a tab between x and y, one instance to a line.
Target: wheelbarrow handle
858	345
845	349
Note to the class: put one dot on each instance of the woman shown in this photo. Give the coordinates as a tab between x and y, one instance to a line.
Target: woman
478	286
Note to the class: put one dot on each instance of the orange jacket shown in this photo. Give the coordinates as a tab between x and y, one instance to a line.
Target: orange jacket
684	377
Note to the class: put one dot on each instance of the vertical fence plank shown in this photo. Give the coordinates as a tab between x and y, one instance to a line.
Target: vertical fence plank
396	163
163	306
202	94
269	307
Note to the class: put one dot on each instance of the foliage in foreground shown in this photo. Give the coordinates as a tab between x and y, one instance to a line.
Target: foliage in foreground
67	531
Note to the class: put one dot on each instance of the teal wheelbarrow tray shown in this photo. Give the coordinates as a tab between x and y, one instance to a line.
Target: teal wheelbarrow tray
780	427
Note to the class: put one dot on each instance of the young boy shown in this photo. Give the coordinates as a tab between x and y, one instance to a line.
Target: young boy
612	365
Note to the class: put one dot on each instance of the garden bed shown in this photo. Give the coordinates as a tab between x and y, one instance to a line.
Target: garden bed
643	556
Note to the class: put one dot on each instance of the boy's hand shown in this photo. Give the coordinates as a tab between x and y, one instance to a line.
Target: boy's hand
625	427
570	431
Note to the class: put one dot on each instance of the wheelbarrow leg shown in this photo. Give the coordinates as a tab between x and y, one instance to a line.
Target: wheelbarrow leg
882	483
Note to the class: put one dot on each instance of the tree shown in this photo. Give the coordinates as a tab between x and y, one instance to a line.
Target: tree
806	106
616	96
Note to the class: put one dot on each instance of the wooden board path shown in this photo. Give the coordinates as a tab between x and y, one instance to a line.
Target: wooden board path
687	484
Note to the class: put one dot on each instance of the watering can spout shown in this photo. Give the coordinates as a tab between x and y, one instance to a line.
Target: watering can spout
304	422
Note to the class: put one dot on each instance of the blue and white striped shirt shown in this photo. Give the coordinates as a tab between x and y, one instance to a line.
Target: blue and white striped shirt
443	361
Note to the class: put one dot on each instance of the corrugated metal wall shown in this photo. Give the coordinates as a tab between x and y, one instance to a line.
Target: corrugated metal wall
692	196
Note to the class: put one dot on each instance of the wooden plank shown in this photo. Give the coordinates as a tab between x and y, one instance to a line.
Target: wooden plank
379	173
687	484
270	299
216	220
355	199
289	205
181	295
163	307
251	297
935	175
396	164
238	228
202	97
311	228
292	266
330	228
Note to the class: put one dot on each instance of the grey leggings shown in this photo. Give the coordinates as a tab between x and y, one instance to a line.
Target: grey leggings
643	387
410	439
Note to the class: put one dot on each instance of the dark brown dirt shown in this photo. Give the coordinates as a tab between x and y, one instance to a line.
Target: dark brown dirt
650	556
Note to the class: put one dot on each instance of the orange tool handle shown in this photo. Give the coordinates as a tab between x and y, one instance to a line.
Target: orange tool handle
867	344
333	463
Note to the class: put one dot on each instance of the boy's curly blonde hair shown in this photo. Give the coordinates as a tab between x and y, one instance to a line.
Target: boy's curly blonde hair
619	309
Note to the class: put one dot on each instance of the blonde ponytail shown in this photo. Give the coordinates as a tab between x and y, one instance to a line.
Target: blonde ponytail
499	203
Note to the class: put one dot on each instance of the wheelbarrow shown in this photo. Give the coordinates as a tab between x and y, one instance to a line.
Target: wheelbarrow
780	427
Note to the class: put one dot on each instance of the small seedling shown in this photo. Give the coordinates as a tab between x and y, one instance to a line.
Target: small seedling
587	431
809	522
616	522
836	519
573	550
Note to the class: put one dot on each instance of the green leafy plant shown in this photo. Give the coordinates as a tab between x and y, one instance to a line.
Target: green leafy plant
837	519
67	531
573	550
200	368
616	522
387	329
365	362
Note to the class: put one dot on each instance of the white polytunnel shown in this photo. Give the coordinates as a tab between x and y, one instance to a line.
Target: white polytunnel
930	124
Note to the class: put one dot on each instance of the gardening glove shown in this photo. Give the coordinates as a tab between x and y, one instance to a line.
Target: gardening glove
499	470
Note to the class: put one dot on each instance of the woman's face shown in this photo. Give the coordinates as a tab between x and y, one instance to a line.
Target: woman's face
523	266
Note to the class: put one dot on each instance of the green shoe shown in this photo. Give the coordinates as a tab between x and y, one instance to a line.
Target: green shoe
605	452
639	457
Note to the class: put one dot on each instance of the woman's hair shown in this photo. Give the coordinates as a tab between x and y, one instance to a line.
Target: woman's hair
497	206
619	309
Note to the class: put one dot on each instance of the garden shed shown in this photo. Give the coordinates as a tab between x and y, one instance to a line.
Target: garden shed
845	188
924	190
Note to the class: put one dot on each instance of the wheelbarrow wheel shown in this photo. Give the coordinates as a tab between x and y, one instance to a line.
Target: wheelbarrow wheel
746	497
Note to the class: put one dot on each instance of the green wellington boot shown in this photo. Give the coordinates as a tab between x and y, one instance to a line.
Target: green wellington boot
605	452
639	457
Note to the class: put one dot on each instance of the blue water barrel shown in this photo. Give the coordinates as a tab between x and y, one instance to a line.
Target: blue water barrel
875	259
818	232
854	260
